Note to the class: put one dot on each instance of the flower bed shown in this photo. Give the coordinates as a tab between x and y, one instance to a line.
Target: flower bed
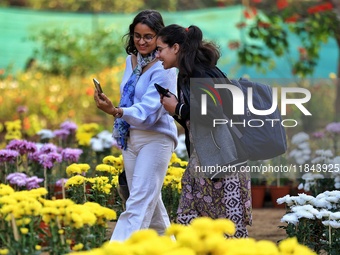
314	221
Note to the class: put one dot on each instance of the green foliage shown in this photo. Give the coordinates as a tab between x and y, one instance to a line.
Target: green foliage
80	5
116	5
268	36
66	52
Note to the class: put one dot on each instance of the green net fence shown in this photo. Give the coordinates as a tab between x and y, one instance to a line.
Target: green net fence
218	24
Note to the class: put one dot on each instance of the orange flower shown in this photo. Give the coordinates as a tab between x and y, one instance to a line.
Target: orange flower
292	19
320	8
234	45
281	4
90	91
250	13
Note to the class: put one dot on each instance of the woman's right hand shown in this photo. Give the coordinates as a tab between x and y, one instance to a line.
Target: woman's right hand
169	103
104	103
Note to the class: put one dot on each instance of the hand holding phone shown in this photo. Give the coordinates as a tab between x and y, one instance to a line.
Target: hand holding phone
161	90
97	85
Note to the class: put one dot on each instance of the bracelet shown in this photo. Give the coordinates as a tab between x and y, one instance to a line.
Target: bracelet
118	114
180	110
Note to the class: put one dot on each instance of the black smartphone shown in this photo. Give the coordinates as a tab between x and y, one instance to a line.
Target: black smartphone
161	90
97	85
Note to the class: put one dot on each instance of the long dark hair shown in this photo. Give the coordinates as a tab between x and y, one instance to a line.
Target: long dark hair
195	53
152	18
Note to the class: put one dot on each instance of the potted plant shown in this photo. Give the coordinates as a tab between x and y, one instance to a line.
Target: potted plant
258	192
280	179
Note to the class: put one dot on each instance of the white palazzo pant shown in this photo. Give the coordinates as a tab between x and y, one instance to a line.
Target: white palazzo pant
146	162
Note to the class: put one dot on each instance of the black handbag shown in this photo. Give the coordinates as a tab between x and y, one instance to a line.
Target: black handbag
123	189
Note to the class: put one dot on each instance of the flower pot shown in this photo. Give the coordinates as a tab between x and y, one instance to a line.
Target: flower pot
277	192
257	196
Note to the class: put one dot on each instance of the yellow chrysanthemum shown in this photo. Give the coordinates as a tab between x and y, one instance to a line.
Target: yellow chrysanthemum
84	168
5	190
142	235
265	247
24	231
4	251
84	139
181	251
75	180
224	226
117	162
107	168
288	245
78	247
73	169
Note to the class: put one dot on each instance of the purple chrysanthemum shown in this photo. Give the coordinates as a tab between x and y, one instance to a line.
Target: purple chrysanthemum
22	146
60	182
69	125
7	155
18	179
71	155
333	127
22	109
61	133
318	135
48	159
33	182
48	148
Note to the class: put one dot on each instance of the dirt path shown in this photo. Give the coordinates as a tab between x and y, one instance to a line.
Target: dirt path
266	222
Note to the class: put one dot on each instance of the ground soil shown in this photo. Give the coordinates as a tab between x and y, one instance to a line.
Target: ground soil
266	222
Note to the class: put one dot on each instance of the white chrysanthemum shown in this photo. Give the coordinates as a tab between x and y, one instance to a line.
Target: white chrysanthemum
304	146
318	176
301	160
324	153
290	218
336	160
286	199
300	138
332	199
106	137
334	216
335	193
181	150
305	211
332	223
321	202
306	187
295	153
46	134
307	176
96	144
303	198
323	213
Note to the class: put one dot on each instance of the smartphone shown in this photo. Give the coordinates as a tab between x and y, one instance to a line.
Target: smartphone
97	85
162	90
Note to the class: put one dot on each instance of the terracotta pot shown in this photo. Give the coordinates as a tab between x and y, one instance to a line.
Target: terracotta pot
277	192
257	195
44	237
58	192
